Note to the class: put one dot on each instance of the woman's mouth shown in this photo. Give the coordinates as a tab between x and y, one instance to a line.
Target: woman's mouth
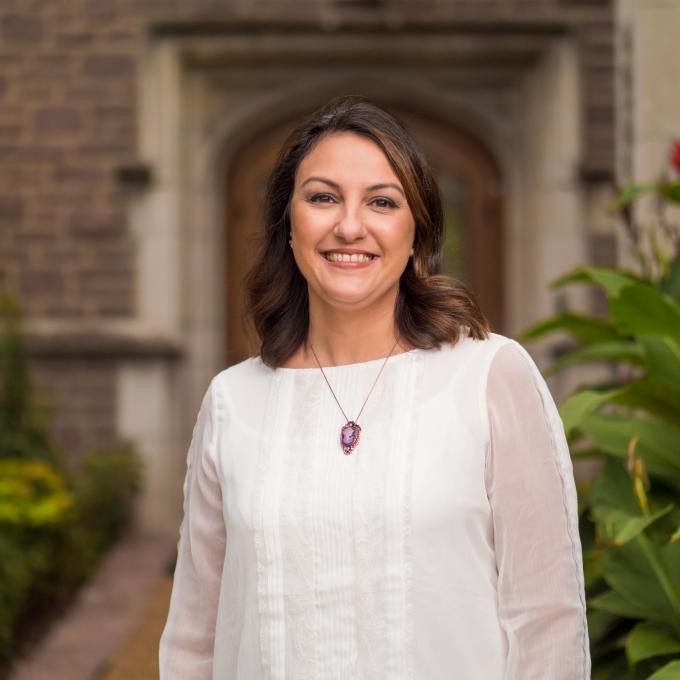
347	258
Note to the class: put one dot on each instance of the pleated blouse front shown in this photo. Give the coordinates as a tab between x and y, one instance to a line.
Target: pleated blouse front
444	546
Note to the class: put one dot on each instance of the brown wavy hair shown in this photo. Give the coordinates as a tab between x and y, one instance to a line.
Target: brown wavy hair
430	309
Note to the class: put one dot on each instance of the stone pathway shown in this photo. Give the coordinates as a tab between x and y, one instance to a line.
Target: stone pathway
138	658
111	632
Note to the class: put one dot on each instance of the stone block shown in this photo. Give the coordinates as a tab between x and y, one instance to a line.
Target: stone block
57	119
109	66
94	224
21	28
35	282
11	209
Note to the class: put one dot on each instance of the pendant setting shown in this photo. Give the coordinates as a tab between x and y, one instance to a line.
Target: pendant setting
349	436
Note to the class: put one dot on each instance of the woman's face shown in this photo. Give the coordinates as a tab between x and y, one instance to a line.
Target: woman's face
348	204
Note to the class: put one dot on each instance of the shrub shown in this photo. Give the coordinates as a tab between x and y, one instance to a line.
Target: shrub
34	504
54	530
103	504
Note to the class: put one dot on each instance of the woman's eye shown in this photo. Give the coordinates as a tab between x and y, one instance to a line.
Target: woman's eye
316	197
385	203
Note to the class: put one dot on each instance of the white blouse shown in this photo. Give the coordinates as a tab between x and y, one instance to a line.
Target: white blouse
445	546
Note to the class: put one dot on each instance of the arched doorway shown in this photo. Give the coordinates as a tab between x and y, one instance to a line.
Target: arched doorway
470	185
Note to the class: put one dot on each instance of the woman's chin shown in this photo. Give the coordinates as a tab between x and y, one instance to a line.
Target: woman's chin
350	299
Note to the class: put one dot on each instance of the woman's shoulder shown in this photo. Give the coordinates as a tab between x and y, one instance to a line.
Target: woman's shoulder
242	378
467	346
469	360
497	355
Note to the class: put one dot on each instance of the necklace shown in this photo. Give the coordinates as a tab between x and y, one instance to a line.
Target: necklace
350	431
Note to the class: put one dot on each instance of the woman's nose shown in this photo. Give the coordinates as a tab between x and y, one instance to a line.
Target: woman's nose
350	226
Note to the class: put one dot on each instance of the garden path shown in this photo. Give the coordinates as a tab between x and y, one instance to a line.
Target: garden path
111	631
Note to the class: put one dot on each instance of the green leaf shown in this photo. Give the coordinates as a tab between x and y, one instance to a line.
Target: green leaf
642	309
613	603
582	404
653	395
628	571
671	192
664	563
634	191
610	279
670	284
618	527
675	536
610	352
659	442
670	671
583	328
671	554
599	624
650	639
662	357
615	509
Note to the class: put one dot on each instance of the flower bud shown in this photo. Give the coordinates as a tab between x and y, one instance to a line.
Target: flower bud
675	155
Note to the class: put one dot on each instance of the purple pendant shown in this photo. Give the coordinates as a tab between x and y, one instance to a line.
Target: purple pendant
349	436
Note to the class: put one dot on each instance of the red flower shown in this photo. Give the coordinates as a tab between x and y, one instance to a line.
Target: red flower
675	155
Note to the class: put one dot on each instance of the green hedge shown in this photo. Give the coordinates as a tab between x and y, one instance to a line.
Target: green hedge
53	531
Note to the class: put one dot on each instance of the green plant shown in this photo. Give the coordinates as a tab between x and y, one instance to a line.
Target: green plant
54	530
104	497
630	420
32	495
34	506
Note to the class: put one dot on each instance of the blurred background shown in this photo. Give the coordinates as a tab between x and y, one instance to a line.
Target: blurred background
135	141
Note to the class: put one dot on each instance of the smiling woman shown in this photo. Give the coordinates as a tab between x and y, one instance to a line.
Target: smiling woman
351	237
349	181
431	536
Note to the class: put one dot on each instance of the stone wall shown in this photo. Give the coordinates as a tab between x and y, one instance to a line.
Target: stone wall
68	95
81	394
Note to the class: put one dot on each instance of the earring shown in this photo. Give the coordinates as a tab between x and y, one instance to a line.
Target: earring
411	251
290	240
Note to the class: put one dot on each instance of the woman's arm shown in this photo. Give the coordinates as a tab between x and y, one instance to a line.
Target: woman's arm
530	485
186	646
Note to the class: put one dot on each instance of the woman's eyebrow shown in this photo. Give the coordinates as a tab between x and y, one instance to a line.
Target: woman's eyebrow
373	187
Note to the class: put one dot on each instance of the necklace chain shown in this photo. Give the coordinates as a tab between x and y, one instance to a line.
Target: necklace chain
369	392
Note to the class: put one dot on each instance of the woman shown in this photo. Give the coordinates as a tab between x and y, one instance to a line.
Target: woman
385	491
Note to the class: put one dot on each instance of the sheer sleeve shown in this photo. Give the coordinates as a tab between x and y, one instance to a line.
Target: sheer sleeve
186	645
530	485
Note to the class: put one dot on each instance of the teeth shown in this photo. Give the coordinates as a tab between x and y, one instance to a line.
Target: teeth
344	257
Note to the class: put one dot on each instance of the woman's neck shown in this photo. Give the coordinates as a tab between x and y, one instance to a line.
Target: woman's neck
347	337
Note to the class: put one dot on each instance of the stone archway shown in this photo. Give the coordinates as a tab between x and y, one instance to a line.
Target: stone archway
470	185
206	104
